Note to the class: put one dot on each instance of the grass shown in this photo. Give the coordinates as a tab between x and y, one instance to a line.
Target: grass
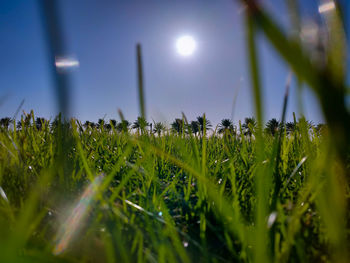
70	194
113	196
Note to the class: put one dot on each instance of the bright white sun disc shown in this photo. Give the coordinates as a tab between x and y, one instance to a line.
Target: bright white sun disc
185	45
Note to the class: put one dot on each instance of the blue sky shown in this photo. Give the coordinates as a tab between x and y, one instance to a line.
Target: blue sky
102	35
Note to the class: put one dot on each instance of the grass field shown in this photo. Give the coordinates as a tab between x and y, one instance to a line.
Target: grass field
90	194
95	195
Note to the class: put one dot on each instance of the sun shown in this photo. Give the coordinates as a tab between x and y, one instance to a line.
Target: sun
185	45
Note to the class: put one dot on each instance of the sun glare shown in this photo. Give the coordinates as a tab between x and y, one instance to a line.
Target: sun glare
185	45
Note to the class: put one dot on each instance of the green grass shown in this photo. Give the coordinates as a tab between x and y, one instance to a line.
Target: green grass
169	198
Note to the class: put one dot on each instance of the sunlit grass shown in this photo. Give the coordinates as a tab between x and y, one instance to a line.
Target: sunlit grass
162	198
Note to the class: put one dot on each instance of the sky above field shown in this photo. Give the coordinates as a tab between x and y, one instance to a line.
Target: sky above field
102	36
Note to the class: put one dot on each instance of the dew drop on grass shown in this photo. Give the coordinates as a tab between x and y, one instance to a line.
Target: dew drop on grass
185	243
160	214
3	195
271	220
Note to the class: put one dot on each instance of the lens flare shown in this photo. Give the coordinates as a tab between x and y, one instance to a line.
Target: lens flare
71	226
65	63
326	7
